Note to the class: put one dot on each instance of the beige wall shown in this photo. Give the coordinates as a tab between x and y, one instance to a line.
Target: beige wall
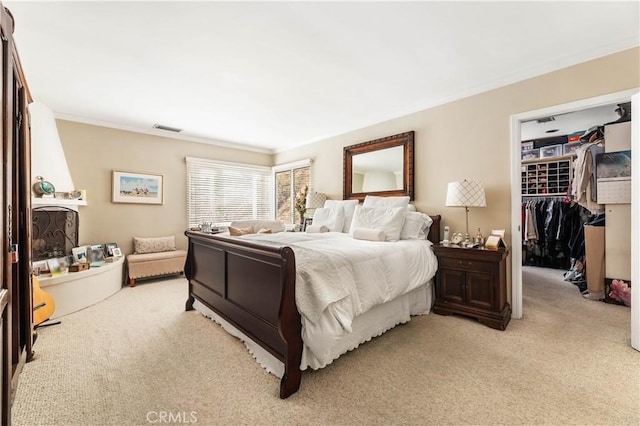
93	152
470	138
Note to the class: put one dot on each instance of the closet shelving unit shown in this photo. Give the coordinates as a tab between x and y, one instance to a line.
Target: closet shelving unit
546	177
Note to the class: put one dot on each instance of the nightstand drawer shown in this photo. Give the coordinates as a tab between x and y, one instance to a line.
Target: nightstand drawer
466	265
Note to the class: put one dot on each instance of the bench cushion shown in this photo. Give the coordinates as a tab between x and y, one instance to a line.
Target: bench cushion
153	244
156	264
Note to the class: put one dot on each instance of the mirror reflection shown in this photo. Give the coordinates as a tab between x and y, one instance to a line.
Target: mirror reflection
378	170
382	167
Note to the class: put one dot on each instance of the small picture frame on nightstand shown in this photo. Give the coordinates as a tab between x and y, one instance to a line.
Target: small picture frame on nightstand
494	242
306	222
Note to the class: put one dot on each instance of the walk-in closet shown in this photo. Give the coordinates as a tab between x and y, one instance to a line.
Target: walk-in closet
576	195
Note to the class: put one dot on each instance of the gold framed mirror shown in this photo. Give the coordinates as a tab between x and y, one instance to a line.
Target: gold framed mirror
379	167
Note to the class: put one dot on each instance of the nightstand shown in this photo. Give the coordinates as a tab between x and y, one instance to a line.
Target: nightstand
473	282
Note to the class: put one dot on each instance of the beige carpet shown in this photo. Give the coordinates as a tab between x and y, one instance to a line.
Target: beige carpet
138	356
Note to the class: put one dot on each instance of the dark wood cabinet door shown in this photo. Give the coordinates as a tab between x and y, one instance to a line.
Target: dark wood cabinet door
16	303
480	290
6	183
451	285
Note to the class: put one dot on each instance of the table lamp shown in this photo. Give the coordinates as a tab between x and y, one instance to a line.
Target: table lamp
315	200
466	194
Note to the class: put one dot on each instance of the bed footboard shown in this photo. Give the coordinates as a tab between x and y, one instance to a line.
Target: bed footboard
252	286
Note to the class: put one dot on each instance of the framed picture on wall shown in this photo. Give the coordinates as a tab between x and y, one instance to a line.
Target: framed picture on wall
139	188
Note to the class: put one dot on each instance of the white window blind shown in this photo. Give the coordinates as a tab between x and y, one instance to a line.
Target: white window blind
220	192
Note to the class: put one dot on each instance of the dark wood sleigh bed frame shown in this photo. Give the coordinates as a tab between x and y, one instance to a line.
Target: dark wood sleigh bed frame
252	286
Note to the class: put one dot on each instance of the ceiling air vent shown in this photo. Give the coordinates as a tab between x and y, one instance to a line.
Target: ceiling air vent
167	128
546	119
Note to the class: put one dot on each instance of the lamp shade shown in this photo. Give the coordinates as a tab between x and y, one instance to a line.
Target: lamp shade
467	193
315	200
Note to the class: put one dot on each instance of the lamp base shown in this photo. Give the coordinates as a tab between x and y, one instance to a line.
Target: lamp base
467	241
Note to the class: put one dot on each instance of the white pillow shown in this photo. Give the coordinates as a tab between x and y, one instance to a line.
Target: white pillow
389	220
416	226
377	201
368	234
332	218
316	229
142	245
274	225
349	206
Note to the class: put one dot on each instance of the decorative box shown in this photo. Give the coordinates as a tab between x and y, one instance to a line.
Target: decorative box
531	154
527	146
551	151
76	267
575	136
570	148
617	292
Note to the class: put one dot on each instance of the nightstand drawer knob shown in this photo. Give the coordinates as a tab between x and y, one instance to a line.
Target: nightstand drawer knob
464	264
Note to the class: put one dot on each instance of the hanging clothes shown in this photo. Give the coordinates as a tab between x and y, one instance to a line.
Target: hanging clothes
552	232
584	184
575	216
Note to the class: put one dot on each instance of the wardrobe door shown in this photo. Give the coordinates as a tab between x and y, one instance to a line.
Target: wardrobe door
16	303
6	184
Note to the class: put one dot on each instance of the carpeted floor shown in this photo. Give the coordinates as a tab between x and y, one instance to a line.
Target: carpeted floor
138	358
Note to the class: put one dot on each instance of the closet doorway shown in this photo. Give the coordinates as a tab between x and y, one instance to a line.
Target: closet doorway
516	200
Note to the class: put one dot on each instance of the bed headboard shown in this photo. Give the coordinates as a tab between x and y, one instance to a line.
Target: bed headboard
434	231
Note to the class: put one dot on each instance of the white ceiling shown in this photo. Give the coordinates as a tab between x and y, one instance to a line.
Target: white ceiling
274	75
564	124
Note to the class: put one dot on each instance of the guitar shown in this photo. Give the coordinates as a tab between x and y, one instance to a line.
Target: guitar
43	304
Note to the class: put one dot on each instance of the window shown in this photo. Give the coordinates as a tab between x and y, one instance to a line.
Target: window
289	180
220	192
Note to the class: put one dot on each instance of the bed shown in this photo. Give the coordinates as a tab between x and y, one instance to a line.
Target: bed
248	285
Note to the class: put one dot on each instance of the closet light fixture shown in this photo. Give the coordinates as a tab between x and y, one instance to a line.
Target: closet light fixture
467	193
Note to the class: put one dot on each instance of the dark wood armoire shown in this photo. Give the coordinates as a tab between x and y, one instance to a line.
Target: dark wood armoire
16	306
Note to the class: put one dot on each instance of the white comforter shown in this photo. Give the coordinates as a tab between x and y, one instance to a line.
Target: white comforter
339	278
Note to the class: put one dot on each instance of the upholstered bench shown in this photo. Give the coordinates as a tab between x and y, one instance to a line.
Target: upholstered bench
154	257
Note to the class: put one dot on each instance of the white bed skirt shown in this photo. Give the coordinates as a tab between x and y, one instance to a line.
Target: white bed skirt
366	326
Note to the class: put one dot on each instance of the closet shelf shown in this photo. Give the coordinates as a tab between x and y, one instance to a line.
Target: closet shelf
546	177
562	157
